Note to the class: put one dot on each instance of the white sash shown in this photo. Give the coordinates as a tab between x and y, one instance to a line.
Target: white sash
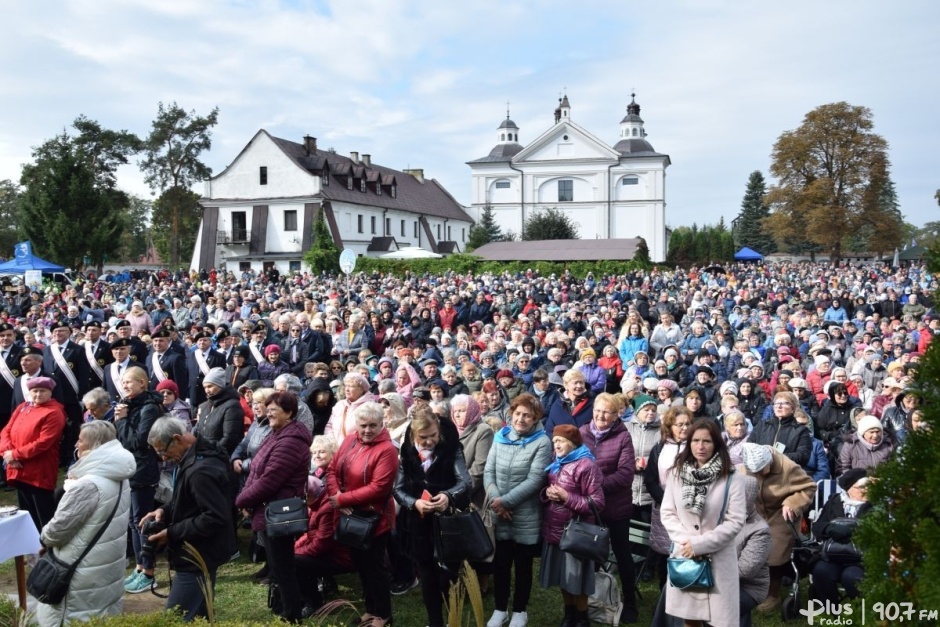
256	353
201	362
116	379
23	387
6	373
158	371
64	366
92	362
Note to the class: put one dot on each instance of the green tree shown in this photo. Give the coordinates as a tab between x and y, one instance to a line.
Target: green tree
68	212
323	255
749	230
484	231
642	254
551	223
179	206
11	230
172	162
827	170
136	239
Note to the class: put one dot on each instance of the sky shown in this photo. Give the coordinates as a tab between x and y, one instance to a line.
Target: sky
425	84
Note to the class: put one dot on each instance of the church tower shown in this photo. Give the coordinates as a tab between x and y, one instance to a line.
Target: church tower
631	126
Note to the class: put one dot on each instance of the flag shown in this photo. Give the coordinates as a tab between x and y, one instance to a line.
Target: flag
22	252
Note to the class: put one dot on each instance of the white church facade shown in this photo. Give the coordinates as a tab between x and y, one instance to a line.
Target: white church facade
610	192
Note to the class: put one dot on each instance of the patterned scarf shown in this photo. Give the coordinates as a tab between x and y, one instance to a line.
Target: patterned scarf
426	456
696	481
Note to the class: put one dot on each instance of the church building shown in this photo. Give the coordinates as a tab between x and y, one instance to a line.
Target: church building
610	192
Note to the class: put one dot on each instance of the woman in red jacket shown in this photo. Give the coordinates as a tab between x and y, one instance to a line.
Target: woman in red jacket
360	477
29	445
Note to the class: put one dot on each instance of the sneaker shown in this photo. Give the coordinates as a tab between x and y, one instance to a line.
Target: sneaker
234	556
401	587
143	583
130	578
498	619
519	619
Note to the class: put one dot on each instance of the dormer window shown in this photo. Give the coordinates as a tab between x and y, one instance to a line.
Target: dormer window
362	185
325	178
349	182
378	188
394	190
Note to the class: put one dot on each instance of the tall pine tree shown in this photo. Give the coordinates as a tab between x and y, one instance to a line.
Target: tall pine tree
484	231
750	230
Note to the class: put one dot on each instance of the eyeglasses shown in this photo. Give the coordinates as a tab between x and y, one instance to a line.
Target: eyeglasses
682	425
295	330
783	404
166	447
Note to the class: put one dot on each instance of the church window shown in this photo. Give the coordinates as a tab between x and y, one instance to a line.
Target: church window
636	132
566	190
502	137
630	180
516	137
502	184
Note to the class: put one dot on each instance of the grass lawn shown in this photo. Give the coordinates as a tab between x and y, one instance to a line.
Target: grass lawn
238	598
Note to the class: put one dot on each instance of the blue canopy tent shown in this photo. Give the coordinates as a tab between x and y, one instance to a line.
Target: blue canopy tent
24	259
746	254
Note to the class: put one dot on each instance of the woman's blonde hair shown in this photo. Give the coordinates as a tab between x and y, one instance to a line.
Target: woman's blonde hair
324	442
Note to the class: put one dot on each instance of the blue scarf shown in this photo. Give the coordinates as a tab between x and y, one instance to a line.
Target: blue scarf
502	437
579	453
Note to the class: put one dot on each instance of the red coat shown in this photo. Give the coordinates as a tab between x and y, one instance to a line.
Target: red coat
447	317
318	541
363	474
33	435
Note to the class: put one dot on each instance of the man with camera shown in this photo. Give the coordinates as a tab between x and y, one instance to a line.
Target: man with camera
199	513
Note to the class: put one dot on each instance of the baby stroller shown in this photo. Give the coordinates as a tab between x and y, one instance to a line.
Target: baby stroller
804	556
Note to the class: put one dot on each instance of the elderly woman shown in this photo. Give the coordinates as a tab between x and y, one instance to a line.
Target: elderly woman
241	369
607	438
432	477
343	421
98	405
396	416
173	404
140	320
735	435
576	406
133	419
513	476
785	492
221	418
291	383
29	444
272	366
259	430
866	448
753	543
94	489
279	471
361	477
700	489
476	438
783	432
667	393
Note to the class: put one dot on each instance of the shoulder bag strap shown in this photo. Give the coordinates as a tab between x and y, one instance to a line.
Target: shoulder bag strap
724	505
597	515
94	541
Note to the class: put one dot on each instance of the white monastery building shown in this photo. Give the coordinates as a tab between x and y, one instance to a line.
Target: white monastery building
259	212
609	192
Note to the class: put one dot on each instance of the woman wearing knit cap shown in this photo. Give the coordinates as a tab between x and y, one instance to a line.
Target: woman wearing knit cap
866	448
574	485
221	419
272	366
701	520
786	491
830	571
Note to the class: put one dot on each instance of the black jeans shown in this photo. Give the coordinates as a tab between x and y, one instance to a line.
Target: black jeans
435	584
372	566
746	603
509	554
186	594
827	577
281	562
141	505
620	544
309	571
38	502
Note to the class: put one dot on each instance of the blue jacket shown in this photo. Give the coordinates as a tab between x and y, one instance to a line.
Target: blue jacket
629	347
818	465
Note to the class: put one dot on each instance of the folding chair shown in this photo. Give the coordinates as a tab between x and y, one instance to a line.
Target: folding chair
639	537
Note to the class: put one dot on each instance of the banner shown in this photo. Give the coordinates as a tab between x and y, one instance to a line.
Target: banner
23	252
33	279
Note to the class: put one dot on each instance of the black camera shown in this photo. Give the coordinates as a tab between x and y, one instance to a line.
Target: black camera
149	528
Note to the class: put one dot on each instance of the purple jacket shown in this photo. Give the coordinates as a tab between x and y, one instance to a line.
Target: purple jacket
615	458
278	470
595	376
581	479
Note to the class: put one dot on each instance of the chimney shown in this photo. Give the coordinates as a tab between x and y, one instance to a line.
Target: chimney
367	160
354	157
310	145
418	173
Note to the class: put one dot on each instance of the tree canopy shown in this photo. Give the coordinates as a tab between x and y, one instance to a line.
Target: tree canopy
323	255
551	223
749	230
831	172
172	161
700	246
11	228
484	231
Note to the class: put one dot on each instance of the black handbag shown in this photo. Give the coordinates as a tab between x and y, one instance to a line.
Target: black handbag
356	529
50	578
460	536
695	573
845	553
287	517
585	540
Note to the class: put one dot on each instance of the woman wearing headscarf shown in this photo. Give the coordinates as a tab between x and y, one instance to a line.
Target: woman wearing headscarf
241	369
95	484
866	448
406	380
693	504
751	400
396	416
29	444
785	491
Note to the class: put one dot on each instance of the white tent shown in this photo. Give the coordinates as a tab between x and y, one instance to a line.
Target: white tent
412	252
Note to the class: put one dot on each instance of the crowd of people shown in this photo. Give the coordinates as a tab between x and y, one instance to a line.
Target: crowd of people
704	403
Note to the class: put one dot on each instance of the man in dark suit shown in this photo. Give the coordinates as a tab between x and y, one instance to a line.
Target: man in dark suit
225	343
120	361
97	353
66	362
9	371
201	360
321	344
139	349
257	343
163	363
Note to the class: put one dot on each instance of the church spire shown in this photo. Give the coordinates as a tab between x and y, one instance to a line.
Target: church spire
563	111
508	132
631	126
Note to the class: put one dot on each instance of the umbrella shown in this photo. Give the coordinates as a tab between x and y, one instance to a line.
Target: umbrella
714	270
412	252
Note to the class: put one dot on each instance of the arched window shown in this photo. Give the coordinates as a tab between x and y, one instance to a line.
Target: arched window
635	132
502	137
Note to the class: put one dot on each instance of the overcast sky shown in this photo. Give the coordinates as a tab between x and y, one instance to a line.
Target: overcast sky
425	84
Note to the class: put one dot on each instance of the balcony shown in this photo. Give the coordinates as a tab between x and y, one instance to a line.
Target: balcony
235	236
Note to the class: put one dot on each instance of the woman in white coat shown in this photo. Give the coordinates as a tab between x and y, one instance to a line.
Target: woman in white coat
692	505
93	483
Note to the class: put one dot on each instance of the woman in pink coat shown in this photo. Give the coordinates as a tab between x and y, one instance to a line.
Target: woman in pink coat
692	505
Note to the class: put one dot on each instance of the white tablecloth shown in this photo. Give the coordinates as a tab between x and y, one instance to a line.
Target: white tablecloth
19	536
